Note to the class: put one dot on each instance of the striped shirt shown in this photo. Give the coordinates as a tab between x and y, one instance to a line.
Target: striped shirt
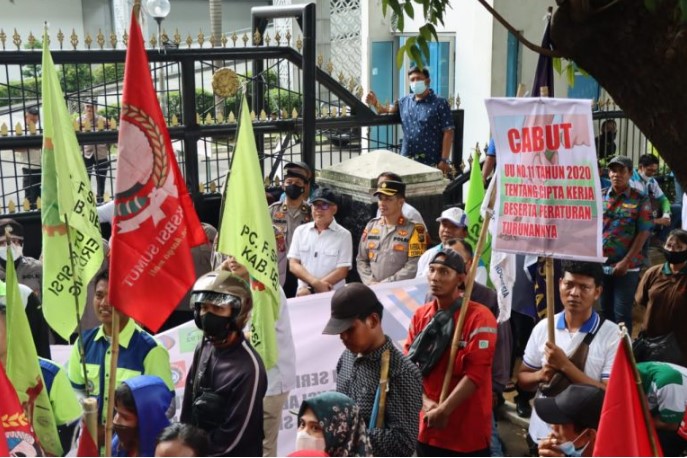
665	386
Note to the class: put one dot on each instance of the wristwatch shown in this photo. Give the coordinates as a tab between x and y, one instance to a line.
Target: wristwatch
447	161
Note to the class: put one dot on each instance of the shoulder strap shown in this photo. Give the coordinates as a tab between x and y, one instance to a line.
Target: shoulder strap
590	336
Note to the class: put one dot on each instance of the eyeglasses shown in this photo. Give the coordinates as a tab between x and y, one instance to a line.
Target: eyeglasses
569	285
322	205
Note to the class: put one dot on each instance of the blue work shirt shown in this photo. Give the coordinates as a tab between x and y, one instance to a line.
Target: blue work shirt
424	123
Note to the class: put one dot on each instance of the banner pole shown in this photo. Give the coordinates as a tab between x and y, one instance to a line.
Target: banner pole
79	328
646	416
550	308
469	284
114	356
90	418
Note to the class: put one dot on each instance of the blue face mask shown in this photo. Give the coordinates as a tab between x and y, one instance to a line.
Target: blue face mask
418	87
568	448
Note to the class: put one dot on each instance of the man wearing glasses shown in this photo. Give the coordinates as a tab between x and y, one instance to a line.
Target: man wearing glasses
321	251
391	245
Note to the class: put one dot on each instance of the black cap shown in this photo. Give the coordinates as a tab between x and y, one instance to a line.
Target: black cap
348	303
324	195
622	160
450	259
15	228
390	188
578	404
416	69
33	110
298	169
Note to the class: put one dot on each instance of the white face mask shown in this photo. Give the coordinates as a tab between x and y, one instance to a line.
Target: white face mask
17	252
305	441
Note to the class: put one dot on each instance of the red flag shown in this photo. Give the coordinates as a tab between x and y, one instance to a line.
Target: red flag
87	445
15	427
622	431
155	224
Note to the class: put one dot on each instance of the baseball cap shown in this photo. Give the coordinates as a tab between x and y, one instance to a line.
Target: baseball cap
578	404
348	303
455	215
390	188
324	195
622	160
298	170
33	110
450	259
15	228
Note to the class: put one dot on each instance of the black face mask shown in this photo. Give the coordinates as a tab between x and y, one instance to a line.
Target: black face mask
293	191
216	328
128	435
675	257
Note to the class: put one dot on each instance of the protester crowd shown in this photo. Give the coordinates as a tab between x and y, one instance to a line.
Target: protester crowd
433	396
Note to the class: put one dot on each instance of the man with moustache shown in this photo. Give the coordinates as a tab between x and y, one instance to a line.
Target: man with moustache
461	424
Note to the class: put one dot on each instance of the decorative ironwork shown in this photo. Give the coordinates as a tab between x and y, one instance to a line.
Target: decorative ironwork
320	60
277	38
60	37
16	39
201	38
3	38
244	39
113	40
225	82
299	43
177	38
267	39
88	41
74	39
224	40
189	41
100	39
234	37
288	38
31	41
257	38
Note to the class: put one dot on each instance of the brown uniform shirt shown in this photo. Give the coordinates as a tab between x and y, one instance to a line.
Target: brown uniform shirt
390	253
29	273
664	294
288	219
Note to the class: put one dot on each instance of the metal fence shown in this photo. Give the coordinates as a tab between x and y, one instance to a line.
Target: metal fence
201	124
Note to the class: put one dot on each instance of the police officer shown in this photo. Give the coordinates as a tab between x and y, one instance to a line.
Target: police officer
391	244
293	211
29	270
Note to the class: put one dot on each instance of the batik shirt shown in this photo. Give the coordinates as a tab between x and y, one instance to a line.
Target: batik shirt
625	215
424	122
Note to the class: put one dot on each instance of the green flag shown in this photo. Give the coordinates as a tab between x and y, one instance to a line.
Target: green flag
72	243
473	202
23	369
246	233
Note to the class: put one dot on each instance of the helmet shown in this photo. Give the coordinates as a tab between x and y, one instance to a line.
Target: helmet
224	289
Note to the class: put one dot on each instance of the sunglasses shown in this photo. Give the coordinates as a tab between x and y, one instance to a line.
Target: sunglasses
322	205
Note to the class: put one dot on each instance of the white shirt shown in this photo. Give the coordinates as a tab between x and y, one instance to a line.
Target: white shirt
281	378
599	359
423	266
409	212
322	252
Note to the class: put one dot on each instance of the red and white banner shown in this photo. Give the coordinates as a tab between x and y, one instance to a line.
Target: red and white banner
549	195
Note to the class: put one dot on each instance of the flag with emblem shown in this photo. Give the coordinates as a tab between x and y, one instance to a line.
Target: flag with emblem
473	203
246	233
23	369
20	439
72	242
155	225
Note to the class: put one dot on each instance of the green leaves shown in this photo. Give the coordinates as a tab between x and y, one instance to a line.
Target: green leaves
416	47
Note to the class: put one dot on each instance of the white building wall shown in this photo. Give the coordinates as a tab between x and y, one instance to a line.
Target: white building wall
29	16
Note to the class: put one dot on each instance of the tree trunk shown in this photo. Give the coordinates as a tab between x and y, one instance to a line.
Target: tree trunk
640	58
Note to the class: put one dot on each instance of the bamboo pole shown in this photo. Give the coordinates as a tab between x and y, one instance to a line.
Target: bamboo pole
469	284
90	417
383	386
522	88
550	310
114	356
646	416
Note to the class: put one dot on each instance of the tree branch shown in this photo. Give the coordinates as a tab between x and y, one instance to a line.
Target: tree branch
528	44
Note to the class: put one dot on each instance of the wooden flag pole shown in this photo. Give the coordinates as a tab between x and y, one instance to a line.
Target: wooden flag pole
522	88
383	387
77	309
469	284
550	309
646	416
114	356
90	416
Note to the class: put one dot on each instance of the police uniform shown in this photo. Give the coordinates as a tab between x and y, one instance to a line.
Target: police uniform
390	253
288	219
29	270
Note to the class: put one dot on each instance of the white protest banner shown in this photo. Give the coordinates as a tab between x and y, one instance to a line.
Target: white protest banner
316	354
549	194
